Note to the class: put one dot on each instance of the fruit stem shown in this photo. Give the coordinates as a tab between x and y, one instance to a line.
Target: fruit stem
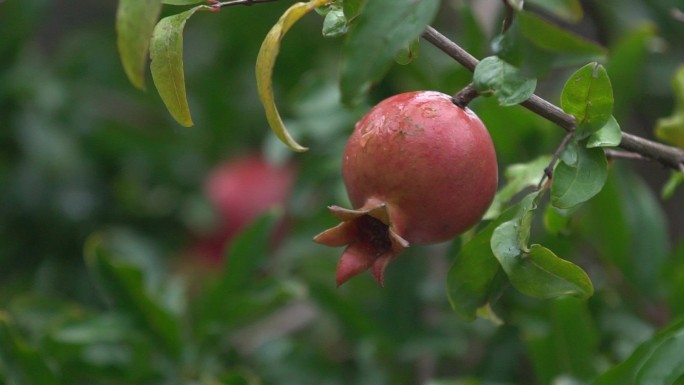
463	97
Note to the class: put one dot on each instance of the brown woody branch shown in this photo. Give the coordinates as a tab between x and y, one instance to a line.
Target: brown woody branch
668	156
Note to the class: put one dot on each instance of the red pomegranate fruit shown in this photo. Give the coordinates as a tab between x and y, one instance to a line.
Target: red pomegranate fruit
240	190
418	169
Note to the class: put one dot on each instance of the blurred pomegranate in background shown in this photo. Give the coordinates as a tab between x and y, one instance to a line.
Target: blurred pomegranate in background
240	190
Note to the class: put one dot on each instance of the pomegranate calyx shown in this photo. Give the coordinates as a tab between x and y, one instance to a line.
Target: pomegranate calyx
371	241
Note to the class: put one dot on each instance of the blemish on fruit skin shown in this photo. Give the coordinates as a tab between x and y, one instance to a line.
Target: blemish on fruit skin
429	112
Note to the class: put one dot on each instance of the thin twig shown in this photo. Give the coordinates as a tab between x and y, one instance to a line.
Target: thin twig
548	171
668	156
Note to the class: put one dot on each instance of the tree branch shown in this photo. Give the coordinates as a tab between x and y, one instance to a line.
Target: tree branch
668	156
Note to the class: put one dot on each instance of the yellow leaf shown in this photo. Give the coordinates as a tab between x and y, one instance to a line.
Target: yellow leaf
264	67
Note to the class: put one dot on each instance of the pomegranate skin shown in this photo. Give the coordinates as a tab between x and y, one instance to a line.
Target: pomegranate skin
432	162
418	169
241	189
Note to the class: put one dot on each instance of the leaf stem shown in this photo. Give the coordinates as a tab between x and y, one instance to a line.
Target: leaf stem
463	97
668	156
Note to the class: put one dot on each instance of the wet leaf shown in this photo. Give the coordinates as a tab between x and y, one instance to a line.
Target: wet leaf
576	183
135	20
493	76
588	96
265	61
166	51
381	30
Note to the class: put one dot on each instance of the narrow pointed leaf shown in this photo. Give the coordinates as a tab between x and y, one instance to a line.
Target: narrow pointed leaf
380	31
588	96
24	364
568	10
476	276
266	58
496	77
166	51
656	361
609	135
675	179
123	284
553	38
576	183
135	20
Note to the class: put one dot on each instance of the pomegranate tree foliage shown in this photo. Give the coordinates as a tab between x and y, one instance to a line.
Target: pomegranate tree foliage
567	280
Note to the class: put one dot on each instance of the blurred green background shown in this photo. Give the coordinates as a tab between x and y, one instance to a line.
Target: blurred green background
87	162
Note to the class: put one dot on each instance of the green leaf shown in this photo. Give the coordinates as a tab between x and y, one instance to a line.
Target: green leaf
351	9
493	76
588	96
535	46
568	10
656	361
408	53
381	30
535	271
243	293
557	221
627	227
609	135
166	51
123	284
248	253
265	62
675	179
564	341
24	364
135	20
475	277
552	38
671	129
518	176
626	62
576	183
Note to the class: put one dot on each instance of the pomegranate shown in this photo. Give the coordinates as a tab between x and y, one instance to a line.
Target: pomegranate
241	189
418	169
